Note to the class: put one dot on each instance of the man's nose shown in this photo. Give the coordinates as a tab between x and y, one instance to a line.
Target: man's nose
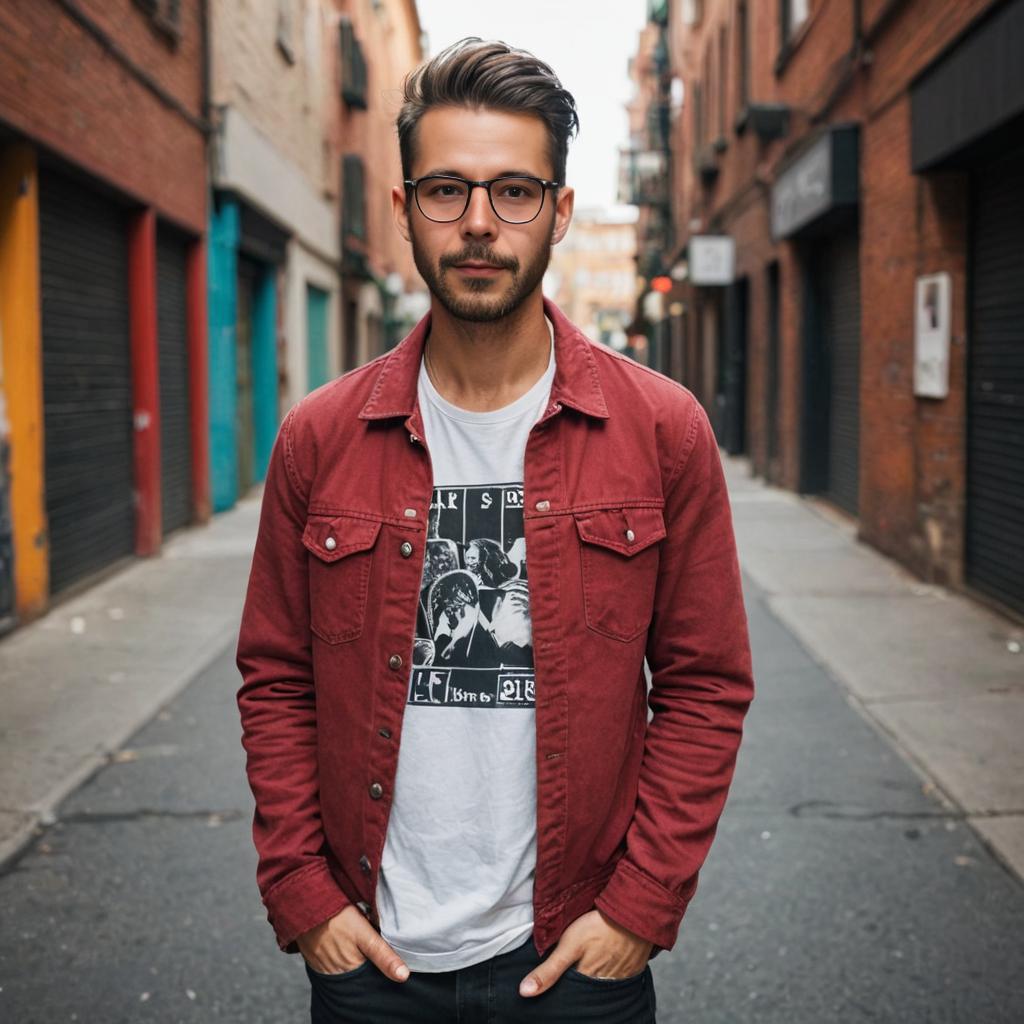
479	220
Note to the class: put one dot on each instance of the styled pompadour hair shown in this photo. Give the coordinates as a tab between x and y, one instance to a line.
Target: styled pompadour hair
476	73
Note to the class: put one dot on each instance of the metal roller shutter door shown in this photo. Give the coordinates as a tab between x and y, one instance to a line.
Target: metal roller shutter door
87	385
995	417
172	331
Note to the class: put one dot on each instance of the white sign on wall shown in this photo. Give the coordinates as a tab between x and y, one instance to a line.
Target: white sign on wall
712	259
931	335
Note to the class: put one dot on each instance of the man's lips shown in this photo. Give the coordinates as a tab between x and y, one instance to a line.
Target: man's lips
475	267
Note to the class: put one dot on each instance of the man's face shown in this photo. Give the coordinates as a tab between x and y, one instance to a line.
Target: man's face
478	145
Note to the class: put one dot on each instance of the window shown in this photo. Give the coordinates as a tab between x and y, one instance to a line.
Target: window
794	14
353	198
353	67
692	11
698	115
723	79
164	16
743	56
285	30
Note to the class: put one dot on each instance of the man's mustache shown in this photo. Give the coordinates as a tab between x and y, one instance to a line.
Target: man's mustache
481	255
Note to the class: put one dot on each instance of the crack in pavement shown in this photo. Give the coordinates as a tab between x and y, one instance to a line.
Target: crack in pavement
827	809
213	817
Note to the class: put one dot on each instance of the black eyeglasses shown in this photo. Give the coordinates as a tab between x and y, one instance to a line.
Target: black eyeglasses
515	198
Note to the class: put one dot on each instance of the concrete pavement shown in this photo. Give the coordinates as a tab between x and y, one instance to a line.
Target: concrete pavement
940	675
78	682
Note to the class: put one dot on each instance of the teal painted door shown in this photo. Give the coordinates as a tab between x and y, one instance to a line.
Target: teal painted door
316	336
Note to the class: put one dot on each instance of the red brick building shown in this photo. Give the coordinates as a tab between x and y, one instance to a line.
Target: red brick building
103	190
848	215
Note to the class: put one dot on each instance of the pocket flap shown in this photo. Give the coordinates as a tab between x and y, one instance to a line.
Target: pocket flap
612	528
333	537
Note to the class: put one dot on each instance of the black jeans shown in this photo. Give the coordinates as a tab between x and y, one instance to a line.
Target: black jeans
485	993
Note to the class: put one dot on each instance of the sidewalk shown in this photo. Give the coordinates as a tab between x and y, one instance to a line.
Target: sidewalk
937	673
82	679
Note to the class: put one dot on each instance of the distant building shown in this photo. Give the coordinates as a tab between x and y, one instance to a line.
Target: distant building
592	274
847	208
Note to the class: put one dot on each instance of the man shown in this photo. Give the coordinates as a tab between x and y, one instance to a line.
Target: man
482	841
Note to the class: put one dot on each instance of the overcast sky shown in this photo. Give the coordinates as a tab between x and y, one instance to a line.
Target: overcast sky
587	43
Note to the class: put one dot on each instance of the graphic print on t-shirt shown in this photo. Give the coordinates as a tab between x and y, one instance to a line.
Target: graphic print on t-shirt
473	645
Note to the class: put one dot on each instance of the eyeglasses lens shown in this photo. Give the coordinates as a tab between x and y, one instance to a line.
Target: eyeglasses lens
516	200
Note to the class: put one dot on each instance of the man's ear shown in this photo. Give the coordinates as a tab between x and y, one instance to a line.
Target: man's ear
400	210
563	213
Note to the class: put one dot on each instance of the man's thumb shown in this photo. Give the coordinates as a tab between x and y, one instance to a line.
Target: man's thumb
545	974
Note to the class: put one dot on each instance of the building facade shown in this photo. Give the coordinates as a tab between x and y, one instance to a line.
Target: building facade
195	231
848	204
382	294
102	288
592	273
307	278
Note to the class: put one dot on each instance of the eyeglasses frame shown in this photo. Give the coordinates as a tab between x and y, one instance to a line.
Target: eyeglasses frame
413	183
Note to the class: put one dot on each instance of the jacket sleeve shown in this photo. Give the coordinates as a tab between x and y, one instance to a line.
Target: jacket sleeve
698	651
277	704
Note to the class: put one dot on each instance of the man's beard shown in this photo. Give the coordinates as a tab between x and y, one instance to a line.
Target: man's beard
478	307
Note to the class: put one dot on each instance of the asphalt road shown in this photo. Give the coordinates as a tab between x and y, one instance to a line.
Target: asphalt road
838	888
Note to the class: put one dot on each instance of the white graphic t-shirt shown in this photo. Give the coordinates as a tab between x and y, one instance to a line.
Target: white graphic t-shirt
456	879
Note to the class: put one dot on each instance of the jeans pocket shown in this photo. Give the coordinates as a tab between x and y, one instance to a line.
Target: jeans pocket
606	982
339	976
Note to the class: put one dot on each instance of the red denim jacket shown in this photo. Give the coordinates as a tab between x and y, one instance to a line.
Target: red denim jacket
631	553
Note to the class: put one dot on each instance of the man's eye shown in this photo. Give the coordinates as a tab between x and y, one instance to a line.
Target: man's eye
445	190
518	190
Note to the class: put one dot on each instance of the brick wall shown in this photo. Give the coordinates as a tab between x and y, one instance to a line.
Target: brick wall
912	476
89	103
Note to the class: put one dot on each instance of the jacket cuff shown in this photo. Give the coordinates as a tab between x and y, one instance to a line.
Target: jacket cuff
301	901
642	905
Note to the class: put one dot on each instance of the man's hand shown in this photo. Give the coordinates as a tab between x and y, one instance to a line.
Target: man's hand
347	940
596	946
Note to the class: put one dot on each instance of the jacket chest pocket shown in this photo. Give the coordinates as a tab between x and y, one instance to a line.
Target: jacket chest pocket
340	556
619	557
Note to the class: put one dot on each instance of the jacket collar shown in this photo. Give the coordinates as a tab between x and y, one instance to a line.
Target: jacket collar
576	382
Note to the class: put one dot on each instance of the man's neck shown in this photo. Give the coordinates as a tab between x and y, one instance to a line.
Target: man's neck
485	366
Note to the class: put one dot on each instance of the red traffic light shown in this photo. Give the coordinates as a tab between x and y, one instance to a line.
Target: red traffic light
661	284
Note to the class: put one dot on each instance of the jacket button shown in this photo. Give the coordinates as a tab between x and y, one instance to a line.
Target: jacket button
376	790
543	506
330	543
364	863
395	661
385	732
406	549
630	536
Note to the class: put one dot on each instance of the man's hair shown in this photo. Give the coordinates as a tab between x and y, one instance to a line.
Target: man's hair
474	73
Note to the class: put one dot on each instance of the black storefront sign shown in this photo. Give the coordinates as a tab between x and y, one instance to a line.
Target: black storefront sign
969	104
818	190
